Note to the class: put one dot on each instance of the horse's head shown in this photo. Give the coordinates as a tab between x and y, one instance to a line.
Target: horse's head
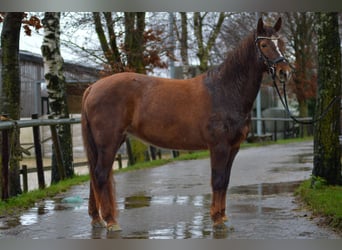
270	48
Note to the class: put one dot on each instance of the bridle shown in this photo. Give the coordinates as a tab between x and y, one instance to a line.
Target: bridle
271	64
271	68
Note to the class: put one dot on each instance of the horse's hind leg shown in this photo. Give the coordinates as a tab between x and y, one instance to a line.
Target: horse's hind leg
104	188
102	192
94	209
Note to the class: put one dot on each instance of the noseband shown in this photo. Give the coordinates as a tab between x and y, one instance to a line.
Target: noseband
271	64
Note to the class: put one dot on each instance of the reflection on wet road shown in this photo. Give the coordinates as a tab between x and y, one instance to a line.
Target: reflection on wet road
173	201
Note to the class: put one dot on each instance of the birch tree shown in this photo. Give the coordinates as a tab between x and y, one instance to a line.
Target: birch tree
327	152
182	37
56	87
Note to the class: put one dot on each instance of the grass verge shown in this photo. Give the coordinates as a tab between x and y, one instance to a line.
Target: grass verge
324	201
15	204
26	200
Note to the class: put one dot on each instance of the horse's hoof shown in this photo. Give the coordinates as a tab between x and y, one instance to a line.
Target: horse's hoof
225	218
220	226
114	228
98	224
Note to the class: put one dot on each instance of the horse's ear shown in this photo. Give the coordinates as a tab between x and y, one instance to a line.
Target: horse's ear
260	28
277	26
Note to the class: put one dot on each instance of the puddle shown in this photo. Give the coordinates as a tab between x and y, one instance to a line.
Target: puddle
256	211
265	188
171	203
287	168
182	216
137	201
302	158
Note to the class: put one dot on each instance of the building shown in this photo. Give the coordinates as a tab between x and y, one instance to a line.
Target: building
33	93
34	97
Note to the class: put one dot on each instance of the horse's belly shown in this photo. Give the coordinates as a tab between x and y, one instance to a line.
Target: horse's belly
171	138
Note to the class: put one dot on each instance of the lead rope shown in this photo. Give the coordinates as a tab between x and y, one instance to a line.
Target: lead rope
286	106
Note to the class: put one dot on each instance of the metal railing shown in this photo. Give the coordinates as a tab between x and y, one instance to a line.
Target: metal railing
293	129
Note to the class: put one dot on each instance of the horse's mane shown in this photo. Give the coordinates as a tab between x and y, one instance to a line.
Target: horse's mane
235	62
238	76
237	66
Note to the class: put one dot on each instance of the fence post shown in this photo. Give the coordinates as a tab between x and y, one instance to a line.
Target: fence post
5	161
25	182
58	153
38	152
275	130
119	159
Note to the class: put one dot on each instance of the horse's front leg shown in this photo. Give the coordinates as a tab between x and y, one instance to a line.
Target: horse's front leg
222	157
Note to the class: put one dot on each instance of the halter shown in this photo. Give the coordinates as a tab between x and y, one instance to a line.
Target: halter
271	64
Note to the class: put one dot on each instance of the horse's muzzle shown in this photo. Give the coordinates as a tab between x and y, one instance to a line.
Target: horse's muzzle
282	71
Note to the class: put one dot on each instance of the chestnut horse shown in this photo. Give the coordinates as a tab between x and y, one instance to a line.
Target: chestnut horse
210	111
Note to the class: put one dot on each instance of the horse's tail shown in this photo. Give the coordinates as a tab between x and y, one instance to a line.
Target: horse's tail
88	139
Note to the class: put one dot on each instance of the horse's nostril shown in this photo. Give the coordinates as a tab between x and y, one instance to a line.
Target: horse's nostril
282	74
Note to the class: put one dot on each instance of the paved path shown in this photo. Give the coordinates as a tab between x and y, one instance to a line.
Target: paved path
173	201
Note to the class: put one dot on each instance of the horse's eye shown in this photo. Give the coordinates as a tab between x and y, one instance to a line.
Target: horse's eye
263	45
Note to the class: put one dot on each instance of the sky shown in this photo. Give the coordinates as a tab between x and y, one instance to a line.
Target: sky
33	43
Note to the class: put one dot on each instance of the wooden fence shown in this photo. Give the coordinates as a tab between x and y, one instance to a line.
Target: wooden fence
35	123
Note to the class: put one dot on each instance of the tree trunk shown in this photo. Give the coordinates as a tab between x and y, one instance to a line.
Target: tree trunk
134	47
10	91
327	151
134	41
53	65
183	40
109	48
301	27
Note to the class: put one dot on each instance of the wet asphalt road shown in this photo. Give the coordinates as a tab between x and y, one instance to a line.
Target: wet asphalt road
173	201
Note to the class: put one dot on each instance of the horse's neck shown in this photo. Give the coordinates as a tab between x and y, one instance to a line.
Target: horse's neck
242	74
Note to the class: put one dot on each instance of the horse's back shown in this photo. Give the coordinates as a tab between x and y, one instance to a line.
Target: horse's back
158	110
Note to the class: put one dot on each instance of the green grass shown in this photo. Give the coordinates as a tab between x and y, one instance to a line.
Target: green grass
159	162
324	201
27	200
15	204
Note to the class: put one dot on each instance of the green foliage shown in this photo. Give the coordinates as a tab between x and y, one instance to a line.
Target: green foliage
139	151
323	200
318	182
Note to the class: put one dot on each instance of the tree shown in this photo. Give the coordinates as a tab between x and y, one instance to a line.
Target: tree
109	47
182	37
304	80
136	51
205	47
10	91
56	87
327	153
10	85
134	46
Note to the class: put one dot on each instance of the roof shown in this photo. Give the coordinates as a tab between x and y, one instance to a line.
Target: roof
25	55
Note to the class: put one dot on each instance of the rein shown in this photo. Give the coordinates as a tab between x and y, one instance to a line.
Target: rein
286	106
271	64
